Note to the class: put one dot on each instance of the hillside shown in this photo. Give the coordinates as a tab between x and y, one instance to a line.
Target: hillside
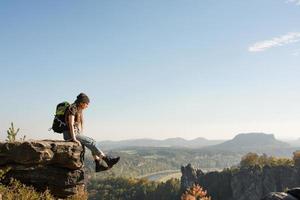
146	156
170	142
142	161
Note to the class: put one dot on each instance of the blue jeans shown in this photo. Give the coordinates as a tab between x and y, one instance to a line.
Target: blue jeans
88	142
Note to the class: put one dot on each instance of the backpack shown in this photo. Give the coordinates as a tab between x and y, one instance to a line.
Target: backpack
59	125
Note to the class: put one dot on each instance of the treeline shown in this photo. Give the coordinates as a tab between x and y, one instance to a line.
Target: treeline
253	159
137	189
133	189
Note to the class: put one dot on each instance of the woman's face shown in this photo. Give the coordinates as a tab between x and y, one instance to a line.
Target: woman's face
83	105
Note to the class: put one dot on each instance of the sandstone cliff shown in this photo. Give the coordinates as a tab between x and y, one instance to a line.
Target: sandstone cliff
251	183
56	165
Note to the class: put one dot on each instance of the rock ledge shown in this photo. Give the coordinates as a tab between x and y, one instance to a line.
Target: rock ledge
53	164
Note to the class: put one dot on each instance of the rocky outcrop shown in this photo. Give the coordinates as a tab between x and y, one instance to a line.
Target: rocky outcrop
190	175
251	183
56	165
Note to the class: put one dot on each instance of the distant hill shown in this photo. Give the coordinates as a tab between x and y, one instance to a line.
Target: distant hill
255	142
294	143
170	142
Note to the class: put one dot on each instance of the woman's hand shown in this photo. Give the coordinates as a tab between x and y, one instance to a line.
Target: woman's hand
77	141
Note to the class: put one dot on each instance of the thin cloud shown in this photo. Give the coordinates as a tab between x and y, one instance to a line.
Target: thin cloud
296	53
288	38
297	2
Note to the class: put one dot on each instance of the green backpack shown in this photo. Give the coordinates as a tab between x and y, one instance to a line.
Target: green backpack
59	124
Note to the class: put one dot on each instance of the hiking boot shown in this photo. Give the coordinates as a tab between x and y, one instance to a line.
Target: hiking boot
111	161
99	167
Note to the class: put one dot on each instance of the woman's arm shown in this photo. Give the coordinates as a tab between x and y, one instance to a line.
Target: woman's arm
71	128
81	123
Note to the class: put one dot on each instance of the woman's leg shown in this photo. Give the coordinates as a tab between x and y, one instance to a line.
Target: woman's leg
97	153
90	143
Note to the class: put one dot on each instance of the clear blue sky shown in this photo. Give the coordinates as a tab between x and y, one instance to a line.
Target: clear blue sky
154	69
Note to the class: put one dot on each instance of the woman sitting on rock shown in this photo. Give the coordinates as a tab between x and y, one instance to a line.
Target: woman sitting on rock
74	121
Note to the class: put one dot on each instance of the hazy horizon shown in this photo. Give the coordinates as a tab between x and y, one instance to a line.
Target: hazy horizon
155	69
59	136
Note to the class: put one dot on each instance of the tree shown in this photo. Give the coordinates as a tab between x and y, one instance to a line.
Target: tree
168	190
296	158
195	193
12	133
250	159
